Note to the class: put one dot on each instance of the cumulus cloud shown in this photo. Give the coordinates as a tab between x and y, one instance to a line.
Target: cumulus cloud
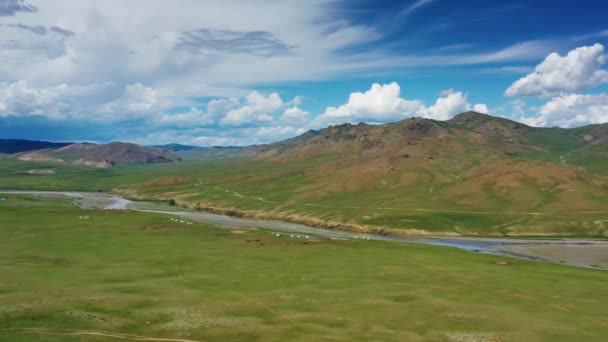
257	109
580	68
383	103
239	136
450	103
136	100
109	103
219	107
140	98
571	110
295	115
193	118
481	108
276	131
56	102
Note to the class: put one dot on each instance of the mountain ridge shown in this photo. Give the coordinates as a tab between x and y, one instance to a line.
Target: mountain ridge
100	155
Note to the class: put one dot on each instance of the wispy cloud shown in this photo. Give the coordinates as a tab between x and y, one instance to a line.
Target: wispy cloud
592	35
41	30
415	6
259	43
507	70
11	7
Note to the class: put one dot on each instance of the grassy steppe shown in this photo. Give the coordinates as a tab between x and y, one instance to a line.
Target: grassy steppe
516	198
141	274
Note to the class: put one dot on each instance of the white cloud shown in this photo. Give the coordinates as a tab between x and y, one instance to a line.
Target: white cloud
109	104
295	115
238	136
56	102
414	6
571	110
194	118
481	108
276	131
257	109
254	110
176	44
135	100
381	102
165	47
580	68
446	106
140	98
518	107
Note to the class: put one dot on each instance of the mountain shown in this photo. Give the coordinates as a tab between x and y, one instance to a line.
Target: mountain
101	156
473	174
198	152
175	147
471	132
11	146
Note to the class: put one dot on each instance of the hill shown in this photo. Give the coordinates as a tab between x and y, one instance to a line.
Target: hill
198	152
11	146
175	147
473	174
101	156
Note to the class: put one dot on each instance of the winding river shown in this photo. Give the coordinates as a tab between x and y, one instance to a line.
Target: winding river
587	253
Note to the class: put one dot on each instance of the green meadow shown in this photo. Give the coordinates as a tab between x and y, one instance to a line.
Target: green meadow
410	201
139	276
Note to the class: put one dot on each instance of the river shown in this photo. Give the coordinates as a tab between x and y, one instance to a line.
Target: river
587	253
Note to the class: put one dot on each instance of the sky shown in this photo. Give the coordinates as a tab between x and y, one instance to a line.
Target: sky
241	72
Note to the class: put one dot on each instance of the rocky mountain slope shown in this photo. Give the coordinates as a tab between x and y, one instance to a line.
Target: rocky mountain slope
473	174
101	156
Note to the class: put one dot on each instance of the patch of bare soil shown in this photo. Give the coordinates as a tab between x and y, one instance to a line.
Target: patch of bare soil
239	232
162	226
41	172
472	337
100	164
37	156
168	181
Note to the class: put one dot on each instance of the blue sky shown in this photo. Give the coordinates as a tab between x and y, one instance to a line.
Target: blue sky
252	71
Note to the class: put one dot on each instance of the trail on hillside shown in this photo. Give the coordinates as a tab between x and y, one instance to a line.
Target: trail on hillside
236	194
65	332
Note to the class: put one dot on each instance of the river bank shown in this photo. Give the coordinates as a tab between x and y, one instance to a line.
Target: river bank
587	253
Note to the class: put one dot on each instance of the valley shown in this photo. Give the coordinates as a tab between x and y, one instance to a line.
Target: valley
589	253
106	275
475	175
306	171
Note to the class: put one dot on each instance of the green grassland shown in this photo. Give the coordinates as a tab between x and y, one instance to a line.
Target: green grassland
133	276
530	200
